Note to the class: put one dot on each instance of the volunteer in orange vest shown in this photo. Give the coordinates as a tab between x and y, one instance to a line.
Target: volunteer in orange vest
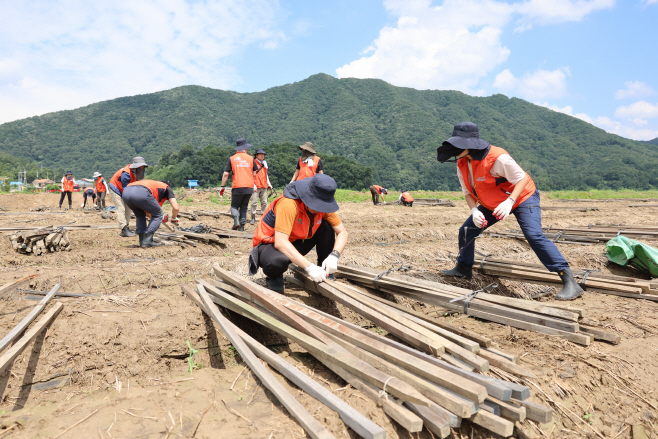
261	184
101	188
67	188
406	199
301	219
494	186
309	164
88	192
122	178
145	198
243	166
376	191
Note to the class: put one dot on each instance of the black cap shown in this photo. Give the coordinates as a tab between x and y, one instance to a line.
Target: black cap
241	145
316	192
465	135
260	151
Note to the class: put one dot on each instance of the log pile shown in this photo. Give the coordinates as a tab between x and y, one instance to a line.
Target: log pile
436	383
586	235
41	241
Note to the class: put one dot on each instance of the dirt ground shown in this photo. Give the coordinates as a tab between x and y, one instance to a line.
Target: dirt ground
119	361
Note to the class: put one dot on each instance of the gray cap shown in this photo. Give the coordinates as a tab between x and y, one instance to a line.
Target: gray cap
97	174
138	162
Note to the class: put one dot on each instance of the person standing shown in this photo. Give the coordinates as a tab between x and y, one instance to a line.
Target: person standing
406	199
376	191
301	219
261	184
145	198
122	178
67	188
101	188
494	186
309	164
243	167
89	192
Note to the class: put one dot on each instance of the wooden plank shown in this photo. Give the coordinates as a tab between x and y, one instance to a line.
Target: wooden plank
10	286
311	425
322	351
598	334
535	412
455	362
493	423
8	357
18	329
514	358
506	365
432	420
515	413
490	407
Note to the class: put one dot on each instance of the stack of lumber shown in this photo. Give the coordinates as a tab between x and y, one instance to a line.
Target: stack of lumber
41	241
594	281
178	237
214	214
436	383
608	200
68	227
433	202
523	314
561	237
604	233
228	233
577	209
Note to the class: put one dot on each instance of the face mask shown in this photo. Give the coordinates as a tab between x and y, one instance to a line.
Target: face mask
139	173
306	154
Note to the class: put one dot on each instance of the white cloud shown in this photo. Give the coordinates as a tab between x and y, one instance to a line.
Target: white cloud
640	109
540	84
76	52
650	2
506	81
635	89
557	11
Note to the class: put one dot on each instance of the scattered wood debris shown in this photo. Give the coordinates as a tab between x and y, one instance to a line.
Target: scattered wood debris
41	241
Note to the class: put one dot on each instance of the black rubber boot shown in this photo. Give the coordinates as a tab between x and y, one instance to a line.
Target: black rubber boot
241	228
459	271
127	233
147	241
275	284
253	219
236	222
571	289
141	238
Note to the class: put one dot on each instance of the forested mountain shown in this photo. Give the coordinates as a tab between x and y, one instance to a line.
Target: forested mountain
393	130
654	141
10	166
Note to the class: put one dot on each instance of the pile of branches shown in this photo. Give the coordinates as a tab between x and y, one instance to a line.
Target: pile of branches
41	241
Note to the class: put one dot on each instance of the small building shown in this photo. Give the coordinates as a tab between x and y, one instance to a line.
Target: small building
42	183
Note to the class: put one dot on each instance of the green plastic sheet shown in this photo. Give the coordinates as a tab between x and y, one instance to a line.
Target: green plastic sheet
625	251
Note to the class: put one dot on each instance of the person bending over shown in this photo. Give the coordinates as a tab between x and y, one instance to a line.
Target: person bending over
145	198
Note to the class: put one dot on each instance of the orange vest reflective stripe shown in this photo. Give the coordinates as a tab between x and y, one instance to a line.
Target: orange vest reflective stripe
67	186
261	176
489	190
242	165
406	196
306	170
153	186
100	187
378	188
116	178
264	233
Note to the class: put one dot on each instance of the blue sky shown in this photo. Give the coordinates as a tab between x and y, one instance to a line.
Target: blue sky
593	59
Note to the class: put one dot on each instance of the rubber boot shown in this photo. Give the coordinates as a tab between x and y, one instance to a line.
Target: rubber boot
253	219
571	289
459	271
236	222
241	228
127	233
147	241
275	284
141	238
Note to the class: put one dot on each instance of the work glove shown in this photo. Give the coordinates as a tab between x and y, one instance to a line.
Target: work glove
478	218
82	205
221	191
330	264
316	273
175	221
165	218
503	210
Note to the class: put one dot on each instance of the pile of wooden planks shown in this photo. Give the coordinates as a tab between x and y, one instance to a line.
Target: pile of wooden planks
608	200
577	209
433	202
558	237
589	280
436	382
213	214
586	235
523	314
41	241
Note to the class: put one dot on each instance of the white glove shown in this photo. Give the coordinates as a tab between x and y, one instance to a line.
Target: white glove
317	274
478	217
330	265
503	210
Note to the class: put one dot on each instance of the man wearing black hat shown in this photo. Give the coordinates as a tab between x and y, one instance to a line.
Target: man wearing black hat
243	167
261	184
490	177
122	178
67	188
302	218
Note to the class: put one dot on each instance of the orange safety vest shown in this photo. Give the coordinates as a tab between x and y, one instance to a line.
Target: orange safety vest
406	196
489	190
306	170
67	186
100	187
264	233
378	188
154	187
261	176
116	179
242	165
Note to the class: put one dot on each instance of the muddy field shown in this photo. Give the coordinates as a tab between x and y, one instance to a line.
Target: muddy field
121	358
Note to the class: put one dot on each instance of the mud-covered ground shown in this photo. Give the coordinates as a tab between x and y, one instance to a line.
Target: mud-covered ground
121	357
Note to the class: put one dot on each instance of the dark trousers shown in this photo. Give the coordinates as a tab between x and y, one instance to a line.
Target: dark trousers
274	263
375	195
84	198
61	198
101	199
240	205
407	203
528	215
140	200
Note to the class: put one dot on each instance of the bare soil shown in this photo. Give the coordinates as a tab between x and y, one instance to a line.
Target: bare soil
122	357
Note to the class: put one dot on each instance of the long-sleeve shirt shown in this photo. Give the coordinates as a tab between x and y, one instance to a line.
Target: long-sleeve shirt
94	181
505	166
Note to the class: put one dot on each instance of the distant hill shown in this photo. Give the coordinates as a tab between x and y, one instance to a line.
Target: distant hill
653	142
392	130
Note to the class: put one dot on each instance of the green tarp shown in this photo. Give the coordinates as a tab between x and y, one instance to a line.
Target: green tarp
624	251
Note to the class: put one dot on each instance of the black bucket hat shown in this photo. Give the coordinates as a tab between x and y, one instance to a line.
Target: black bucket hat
316	192
241	145
465	135
403	190
68	173
260	151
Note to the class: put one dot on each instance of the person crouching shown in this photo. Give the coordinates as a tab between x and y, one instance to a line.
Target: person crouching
406	199
145	198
